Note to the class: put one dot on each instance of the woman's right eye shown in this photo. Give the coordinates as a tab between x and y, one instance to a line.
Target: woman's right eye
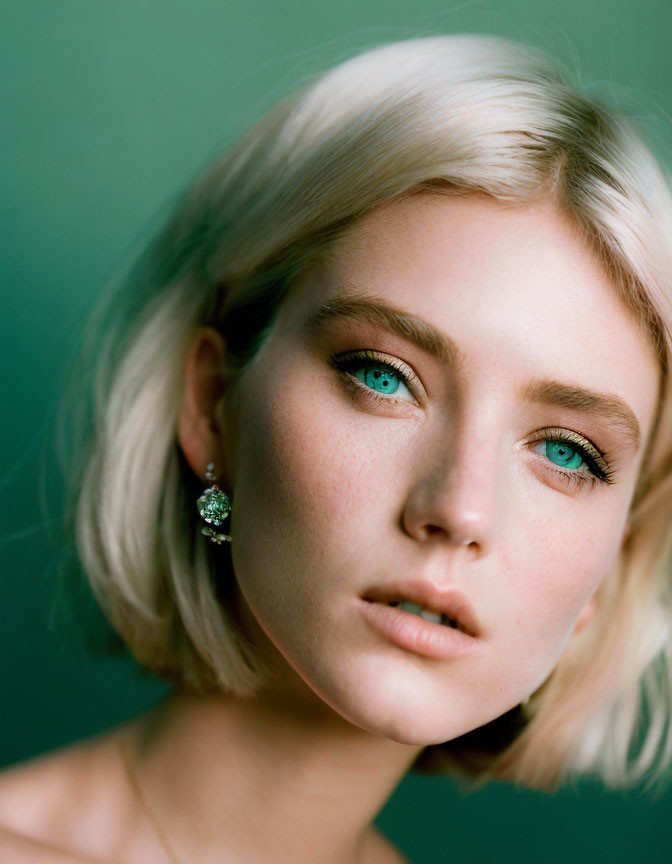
381	377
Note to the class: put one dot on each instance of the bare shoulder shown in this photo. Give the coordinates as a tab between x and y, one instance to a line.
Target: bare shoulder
36	793
53	805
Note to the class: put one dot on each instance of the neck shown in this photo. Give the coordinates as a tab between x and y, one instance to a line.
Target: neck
264	778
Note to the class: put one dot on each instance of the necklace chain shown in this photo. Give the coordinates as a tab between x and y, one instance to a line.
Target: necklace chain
144	803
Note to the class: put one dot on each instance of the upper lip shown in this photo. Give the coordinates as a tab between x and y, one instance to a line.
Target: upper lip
447	599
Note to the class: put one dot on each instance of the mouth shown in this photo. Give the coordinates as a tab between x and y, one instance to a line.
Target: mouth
413	627
447	607
427	614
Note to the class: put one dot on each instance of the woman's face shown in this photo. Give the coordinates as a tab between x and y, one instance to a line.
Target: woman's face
360	479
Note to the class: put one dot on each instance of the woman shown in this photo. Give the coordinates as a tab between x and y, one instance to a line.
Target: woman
381	474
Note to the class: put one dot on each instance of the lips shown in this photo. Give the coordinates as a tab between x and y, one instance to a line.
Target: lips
448	601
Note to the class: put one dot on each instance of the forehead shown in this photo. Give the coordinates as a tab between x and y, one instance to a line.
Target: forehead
516	288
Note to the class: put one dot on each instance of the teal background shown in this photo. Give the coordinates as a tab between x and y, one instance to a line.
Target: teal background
108	108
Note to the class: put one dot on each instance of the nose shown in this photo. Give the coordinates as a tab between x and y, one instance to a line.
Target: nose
454	498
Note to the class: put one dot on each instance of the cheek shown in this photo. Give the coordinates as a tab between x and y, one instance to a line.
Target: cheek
558	566
291	465
304	497
315	467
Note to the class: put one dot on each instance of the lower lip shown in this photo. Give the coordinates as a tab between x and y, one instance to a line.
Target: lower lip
415	634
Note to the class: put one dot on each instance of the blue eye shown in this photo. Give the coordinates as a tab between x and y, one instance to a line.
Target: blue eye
563	454
578	458
382	378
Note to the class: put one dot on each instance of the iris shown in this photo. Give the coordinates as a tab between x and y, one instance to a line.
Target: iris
562	454
378	379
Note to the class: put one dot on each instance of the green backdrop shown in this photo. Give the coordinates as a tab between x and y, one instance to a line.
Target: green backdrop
109	107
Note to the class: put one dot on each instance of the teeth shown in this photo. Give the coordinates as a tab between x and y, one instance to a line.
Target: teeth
410	607
434	617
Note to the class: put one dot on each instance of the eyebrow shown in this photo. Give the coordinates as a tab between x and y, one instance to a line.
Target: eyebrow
359	307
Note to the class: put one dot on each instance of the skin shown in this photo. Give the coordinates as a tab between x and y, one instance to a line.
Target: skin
333	491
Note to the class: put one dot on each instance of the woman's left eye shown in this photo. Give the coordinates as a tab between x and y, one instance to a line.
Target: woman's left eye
382	376
578	459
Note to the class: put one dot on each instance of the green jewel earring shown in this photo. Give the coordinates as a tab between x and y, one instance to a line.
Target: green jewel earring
213	507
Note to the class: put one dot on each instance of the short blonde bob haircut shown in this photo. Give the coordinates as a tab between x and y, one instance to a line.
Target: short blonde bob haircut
438	115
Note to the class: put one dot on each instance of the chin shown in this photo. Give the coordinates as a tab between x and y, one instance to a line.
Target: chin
419	734
417	723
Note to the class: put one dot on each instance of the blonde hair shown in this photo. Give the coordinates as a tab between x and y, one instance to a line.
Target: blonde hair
447	115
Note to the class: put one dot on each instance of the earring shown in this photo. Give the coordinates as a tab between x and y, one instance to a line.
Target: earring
213	506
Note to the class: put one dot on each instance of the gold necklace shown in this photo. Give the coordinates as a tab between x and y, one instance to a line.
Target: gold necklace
144	803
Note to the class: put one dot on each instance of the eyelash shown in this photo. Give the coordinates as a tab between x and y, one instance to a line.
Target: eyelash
592	456
348	363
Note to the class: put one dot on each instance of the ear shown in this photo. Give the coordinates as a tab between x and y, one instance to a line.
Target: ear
199	429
